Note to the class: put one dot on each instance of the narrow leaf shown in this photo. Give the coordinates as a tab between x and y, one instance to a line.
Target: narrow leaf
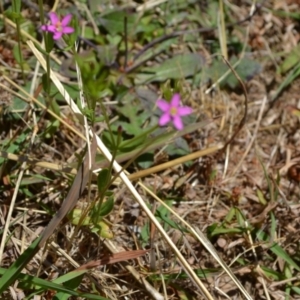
177	67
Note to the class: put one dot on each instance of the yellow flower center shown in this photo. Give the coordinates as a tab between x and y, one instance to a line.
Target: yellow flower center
173	111
58	26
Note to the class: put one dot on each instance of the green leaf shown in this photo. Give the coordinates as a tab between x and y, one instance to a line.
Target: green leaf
13	146
273	275
18	105
177	67
72	90
246	69
287	271
295	289
145	234
292	75
93	6
106	207
107	54
145	160
223	230
130	144
15	16
132	110
114	22
103	180
52	127
33	179
152	52
110	140
229	217
88	32
103	230
75	216
273	227
164	214
291	60
16	6
71	284
261	197
240	217
180	147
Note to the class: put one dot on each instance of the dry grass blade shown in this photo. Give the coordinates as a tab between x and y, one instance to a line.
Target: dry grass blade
175	162
222	30
37	163
114	258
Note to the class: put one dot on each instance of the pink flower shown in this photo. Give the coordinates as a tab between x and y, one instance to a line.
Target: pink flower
58	27
173	111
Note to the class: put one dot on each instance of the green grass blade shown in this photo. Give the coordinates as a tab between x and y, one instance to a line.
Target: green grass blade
15	269
28	281
277	250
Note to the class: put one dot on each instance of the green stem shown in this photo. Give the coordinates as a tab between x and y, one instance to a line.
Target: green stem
42	16
16	6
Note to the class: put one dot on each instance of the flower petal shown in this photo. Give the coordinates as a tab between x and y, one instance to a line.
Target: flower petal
44	27
184	111
164	119
163	105
57	35
175	100
67	30
177	122
51	28
53	17
66	20
48	28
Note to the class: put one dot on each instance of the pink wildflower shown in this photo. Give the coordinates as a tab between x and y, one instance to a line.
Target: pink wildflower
58	27
173	112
